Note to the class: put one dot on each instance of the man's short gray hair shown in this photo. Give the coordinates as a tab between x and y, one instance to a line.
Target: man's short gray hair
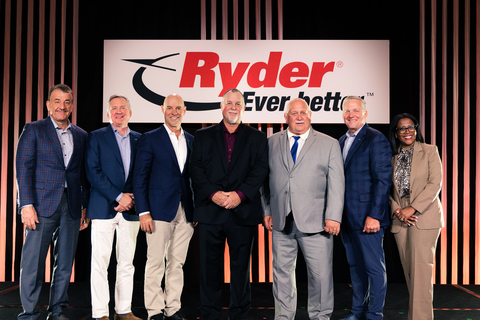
115	96
364	103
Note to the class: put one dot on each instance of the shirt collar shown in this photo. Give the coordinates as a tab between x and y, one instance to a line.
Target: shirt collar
56	126
303	136
356	132
226	130
171	132
116	131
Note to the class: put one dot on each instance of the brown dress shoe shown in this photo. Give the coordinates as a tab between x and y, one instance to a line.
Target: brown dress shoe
128	316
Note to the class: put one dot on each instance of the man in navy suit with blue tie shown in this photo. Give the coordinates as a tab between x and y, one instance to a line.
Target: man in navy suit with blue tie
367	160
52	199
110	155
163	199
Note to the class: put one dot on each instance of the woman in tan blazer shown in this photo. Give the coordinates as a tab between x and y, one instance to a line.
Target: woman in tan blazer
416	210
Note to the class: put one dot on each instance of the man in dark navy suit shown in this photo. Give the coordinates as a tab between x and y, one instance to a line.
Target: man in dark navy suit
110	155
164	202
229	164
367	160
52	199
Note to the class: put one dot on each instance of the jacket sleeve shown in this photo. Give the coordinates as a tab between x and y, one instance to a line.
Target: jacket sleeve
258	172
141	174
25	166
335	184
434	183
381	170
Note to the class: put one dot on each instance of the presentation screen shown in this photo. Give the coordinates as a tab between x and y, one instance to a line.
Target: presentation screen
270	73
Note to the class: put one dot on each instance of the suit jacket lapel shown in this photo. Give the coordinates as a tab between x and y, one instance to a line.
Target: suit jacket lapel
76	146
165	139
356	143
221	145
285	151
189	148
418	154
112	143
133	148
308	143
52	133
238	148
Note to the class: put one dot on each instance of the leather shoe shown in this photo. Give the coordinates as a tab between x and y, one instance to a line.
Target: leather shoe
350	316
176	316
58	316
128	316
158	316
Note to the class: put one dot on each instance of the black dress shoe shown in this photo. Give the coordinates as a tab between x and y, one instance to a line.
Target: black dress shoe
58	316
176	316
158	316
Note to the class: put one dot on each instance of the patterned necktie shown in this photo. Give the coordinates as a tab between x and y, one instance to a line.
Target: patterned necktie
294	148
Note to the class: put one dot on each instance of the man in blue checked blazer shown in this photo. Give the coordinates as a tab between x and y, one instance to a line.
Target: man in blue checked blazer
110	155
52	199
367	160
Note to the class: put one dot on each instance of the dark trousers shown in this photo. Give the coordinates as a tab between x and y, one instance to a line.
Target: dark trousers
367	271
212	247
63	230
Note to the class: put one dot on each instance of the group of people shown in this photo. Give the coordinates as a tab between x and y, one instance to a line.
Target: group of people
304	186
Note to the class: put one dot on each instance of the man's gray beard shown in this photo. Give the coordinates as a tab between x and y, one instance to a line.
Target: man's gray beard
233	121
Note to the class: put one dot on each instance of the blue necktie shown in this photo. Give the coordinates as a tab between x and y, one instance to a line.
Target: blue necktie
294	148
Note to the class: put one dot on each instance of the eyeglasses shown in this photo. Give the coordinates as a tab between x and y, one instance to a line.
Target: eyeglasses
403	129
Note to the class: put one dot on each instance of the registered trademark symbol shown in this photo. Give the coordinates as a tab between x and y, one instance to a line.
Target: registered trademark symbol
339	64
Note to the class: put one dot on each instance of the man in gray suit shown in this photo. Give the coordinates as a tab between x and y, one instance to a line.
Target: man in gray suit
304	203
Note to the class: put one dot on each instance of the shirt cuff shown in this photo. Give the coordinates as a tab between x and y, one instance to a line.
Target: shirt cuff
241	195
27	205
119	197
211	196
144	213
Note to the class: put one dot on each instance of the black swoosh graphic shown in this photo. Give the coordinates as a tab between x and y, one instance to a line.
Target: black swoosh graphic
158	99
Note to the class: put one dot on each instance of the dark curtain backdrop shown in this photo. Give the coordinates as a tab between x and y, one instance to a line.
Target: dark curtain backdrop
434	75
344	20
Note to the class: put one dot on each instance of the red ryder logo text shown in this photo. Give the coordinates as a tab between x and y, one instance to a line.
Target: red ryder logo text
258	74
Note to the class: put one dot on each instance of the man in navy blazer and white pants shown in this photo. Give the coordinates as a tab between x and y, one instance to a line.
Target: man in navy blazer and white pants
368	170
163	198
52	198
110	154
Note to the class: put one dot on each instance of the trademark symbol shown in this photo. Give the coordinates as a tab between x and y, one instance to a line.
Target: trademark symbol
339	64
370	94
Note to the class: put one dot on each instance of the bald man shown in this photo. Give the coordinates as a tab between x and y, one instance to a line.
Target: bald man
163	199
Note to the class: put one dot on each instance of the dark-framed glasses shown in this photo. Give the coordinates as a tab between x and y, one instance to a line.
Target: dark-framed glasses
403	129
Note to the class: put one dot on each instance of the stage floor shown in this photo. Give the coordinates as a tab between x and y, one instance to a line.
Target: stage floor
451	302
